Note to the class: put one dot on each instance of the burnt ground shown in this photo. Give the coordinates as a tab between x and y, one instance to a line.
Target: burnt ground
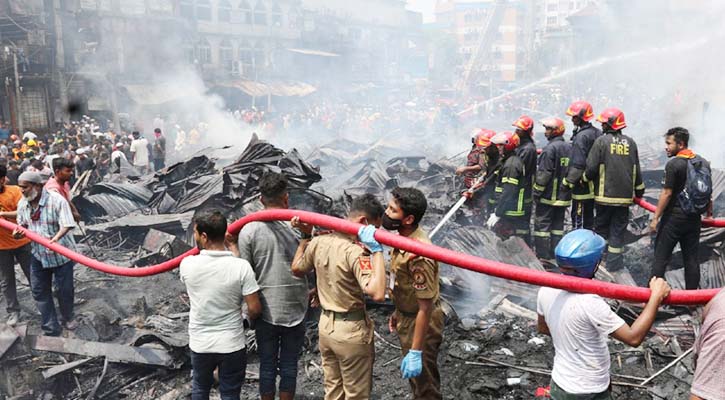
114	309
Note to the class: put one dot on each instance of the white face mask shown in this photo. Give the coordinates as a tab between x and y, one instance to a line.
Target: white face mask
31	195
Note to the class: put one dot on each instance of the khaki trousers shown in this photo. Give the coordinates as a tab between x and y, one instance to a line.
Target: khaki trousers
427	385
348	353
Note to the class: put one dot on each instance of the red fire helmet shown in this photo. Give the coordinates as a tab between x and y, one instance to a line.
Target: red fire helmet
525	123
581	109
613	117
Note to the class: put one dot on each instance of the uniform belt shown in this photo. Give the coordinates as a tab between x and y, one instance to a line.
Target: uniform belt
407	314
354	315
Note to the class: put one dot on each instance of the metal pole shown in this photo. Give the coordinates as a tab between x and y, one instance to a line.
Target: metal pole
19	107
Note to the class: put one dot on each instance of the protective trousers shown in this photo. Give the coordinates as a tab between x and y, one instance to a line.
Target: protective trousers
611	224
548	229
678	227
427	385
582	214
348	353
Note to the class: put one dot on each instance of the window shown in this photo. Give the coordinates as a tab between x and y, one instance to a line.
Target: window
133	7
226	54
246	12
553	7
246	55
189	54
203	10
276	16
293	18
203	52
260	14
550	21
186	8
224	11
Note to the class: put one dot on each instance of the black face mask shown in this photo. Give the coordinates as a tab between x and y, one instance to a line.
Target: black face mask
391	224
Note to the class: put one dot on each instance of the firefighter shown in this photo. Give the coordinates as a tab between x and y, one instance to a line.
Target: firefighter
551	201
509	217
476	166
582	193
527	153
613	165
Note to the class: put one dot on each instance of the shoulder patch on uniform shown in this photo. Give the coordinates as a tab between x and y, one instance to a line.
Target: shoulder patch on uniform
419	280
365	263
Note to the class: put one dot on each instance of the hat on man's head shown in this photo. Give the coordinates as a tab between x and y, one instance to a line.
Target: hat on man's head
32	177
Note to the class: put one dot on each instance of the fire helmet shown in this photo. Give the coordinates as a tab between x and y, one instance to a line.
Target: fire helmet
579	253
581	109
509	140
525	123
613	117
555	124
483	138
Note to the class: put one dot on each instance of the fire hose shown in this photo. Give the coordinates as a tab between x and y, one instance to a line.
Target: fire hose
465	261
711	222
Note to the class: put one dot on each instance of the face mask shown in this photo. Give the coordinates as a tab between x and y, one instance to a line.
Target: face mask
391	224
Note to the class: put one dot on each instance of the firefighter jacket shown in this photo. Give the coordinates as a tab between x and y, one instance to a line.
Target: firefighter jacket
552	168
582	141
613	166
527	153
510	189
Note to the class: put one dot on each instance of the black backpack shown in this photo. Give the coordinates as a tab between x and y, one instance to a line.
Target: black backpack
695	197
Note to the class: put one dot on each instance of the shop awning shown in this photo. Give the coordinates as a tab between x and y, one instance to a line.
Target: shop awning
274	88
311	52
153	94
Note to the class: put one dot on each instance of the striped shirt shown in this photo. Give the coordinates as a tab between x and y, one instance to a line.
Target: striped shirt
54	214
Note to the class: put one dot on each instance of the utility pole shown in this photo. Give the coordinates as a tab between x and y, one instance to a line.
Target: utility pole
18	105
60	60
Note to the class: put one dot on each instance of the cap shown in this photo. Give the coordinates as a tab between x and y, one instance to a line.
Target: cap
32	177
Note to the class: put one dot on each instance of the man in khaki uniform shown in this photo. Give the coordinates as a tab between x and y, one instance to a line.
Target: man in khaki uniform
346	272
418	318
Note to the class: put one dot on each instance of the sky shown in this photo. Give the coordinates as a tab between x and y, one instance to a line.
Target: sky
423	6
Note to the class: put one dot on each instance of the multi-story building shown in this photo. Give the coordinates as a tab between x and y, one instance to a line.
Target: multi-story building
492	38
26	59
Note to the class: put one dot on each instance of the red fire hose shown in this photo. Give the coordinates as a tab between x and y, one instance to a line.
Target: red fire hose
488	267
711	222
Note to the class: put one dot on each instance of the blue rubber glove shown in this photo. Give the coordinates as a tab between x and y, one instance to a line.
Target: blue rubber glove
366	234
412	364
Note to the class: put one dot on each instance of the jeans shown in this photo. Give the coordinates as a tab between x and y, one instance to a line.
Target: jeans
7	273
41	283
232	368
158	164
279	350
678	227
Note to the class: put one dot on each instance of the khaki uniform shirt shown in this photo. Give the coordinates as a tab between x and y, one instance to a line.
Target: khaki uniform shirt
343	268
415	278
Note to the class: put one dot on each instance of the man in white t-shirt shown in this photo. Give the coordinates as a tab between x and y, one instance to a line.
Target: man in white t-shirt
140	152
217	283
579	324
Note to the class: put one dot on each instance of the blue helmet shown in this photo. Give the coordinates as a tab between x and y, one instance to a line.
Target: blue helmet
580	251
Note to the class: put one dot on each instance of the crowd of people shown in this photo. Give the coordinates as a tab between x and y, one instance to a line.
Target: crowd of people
86	146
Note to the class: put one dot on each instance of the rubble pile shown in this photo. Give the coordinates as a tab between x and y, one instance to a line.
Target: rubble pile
132	340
